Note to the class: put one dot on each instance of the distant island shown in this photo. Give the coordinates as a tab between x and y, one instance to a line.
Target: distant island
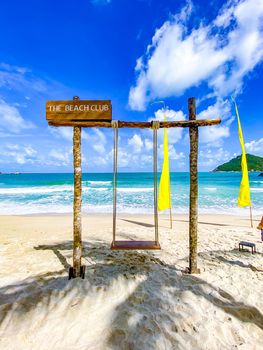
15	173
255	163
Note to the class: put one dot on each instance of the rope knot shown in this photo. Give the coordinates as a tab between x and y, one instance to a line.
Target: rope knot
155	124
115	124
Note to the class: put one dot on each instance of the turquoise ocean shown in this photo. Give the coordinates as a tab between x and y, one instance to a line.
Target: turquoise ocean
53	193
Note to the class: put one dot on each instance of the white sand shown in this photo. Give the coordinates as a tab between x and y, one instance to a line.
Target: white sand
129	300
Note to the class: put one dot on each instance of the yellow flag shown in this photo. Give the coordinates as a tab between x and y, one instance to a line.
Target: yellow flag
164	199
244	192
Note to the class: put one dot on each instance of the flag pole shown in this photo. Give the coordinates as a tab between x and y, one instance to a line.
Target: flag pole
165	133
244	199
251	217
171	217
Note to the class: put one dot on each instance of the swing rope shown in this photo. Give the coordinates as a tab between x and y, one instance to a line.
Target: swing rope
155	127
115	127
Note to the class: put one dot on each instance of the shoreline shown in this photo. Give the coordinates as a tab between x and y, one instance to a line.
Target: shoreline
105	219
256	216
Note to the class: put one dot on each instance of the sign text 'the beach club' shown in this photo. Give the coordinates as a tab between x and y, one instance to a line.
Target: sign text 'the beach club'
100	110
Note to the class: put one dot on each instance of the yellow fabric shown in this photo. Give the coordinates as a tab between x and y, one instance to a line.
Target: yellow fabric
244	192
164	198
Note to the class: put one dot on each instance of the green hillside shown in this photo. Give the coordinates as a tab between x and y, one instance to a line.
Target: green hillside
255	163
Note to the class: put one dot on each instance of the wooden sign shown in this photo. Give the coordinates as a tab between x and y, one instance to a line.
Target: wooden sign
76	110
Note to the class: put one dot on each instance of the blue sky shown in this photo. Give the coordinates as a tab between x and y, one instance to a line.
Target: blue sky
134	53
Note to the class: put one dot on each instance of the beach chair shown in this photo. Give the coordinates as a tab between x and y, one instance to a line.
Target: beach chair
243	244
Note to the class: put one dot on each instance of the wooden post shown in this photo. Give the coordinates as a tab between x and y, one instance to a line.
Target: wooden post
77	244
193	210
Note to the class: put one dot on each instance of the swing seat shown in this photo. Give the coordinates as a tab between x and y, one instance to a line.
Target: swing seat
135	245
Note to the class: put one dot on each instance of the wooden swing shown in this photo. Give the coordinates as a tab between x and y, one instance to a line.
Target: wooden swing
80	114
134	245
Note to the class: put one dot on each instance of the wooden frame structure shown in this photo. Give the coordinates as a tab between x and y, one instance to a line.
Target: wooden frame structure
193	124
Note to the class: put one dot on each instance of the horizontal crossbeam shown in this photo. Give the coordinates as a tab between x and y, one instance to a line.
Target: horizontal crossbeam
139	125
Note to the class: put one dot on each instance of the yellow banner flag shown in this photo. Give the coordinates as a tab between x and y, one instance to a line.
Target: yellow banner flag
164	199
244	192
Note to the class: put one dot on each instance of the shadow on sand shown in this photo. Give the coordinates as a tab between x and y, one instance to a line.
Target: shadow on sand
144	224
153	307
201	222
232	258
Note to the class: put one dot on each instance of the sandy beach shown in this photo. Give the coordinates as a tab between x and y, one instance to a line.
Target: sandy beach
129	299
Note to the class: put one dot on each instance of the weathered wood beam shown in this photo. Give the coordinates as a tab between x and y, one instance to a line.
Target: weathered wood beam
139	125
193	209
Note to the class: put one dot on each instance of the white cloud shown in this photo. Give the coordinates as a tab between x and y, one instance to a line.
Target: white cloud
255	147
148	144
221	54
139	64
99	136
136	143
221	109
11	119
137	95
142	147
30	151
135	153
174	134
101	161
20	78
99	148
10	68
64	132
146	159
211	158
93	137
29	86
215	134
58	155
61	156
169	114
19	154
97	139
173	155
12	147
126	159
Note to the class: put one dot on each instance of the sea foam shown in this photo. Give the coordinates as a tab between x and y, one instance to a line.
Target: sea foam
99	182
135	189
36	190
259	189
